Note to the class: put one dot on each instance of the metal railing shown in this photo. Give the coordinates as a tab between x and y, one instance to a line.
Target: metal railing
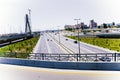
89	57
15	55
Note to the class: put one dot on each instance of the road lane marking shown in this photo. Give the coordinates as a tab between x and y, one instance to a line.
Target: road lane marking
35	49
64	47
49	50
63	50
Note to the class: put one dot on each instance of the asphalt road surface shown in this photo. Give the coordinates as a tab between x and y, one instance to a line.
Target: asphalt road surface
41	46
51	43
84	48
12	72
47	44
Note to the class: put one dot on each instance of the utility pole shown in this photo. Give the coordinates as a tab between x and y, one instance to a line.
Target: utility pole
78	27
59	34
30	22
29	10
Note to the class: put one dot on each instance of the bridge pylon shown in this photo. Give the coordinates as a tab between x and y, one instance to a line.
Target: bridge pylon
27	25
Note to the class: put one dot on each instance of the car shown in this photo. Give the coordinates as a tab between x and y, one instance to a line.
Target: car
104	58
66	39
75	42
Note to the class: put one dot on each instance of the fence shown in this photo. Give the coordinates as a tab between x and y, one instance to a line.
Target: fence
89	57
109	57
15	55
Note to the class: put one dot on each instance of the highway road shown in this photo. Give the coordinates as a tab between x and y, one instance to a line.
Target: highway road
47	44
53	43
84	48
13	72
41	46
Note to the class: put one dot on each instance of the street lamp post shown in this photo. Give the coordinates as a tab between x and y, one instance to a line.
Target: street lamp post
59	34
74	31
93	36
78	35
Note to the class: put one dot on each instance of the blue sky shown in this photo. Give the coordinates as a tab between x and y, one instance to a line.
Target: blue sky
49	14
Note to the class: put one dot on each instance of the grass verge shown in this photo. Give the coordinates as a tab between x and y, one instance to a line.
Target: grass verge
22	49
109	43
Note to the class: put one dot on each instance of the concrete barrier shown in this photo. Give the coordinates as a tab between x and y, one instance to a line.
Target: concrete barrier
111	66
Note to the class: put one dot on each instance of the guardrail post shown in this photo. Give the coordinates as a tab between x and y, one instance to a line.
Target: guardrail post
86	58
112	57
59	57
50	57
115	57
35	56
42	56
96	57
77	57
68	57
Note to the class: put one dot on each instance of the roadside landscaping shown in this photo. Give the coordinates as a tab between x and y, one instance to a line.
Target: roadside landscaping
23	47
109	43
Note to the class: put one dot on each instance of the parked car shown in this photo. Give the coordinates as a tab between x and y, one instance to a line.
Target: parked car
104	58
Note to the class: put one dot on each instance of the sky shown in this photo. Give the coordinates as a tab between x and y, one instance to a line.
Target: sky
54	14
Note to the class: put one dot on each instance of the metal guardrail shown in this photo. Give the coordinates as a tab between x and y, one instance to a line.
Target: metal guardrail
89	57
99	57
15	55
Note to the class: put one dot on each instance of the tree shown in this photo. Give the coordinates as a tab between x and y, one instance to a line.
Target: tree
69	29
113	23
99	27
105	25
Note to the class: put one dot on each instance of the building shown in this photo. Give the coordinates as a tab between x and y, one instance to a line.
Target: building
77	26
83	26
93	24
69	27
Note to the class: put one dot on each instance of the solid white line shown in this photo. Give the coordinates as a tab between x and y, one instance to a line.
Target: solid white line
57	44
35	49
49	50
